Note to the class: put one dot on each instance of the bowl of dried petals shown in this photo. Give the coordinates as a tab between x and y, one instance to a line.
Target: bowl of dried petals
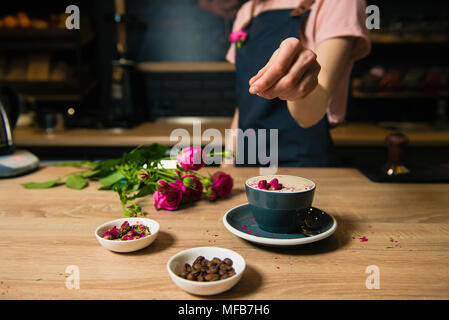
127	234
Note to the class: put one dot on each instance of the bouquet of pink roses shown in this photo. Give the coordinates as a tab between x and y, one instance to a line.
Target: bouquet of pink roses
140	173
185	184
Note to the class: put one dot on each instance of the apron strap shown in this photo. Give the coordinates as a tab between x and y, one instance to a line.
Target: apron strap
303	6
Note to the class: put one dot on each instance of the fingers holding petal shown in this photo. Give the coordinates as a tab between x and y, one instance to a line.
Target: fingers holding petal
278	66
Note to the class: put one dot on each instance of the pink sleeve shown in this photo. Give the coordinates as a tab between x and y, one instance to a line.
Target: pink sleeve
337	18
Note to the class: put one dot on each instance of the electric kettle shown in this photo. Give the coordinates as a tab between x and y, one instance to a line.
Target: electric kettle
9	112
12	162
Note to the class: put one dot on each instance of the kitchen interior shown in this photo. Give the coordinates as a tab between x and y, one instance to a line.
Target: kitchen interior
174	71
136	70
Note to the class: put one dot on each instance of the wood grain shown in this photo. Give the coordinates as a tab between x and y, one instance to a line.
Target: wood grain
44	231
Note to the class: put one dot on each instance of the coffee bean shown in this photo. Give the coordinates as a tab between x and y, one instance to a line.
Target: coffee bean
224	266
198	260
212	277
205	270
213	269
228	261
196	273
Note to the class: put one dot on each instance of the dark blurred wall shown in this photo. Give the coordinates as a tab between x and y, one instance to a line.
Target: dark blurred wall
177	30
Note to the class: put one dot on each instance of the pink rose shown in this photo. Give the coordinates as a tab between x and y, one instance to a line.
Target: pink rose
191	158
222	183
191	188
238	36
168	196
211	194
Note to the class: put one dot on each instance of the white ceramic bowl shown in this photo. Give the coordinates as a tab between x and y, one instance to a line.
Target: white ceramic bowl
176	263
128	245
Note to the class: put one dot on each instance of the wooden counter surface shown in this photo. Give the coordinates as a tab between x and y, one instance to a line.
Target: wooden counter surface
355	134
407	227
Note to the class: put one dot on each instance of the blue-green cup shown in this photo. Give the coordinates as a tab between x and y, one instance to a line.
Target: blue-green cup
275	211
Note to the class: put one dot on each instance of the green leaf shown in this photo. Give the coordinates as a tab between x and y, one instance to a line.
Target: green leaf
88	174
76	164
41	185
76	182
111	179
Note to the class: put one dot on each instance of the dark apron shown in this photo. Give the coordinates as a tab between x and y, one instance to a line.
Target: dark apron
298	147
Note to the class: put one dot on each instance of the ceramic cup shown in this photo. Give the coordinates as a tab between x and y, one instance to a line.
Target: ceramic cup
280	211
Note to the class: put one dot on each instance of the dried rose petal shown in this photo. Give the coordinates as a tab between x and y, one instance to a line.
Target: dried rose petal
124	225
262	184
108	236
114	232
277	186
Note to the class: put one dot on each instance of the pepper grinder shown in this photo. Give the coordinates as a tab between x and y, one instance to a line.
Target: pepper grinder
396	144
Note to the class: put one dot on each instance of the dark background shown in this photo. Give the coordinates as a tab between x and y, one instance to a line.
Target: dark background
180	31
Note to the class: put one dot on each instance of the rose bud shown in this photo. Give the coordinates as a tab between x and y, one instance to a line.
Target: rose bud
262	184
222	183
191	158
211	194
191	188
276	186
168	196
108	236
114	232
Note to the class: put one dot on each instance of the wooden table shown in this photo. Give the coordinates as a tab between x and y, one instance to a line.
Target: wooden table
407	227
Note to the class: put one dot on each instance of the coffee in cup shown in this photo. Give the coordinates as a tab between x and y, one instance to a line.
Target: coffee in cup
278	201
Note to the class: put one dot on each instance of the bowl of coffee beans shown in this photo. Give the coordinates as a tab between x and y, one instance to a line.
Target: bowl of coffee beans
206	270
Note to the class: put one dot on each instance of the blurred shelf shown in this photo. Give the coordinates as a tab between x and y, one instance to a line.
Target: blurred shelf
399	95
43	39
173	67
388	38
346	135
51	91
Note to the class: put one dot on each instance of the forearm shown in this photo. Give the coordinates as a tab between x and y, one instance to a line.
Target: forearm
311	109
334	56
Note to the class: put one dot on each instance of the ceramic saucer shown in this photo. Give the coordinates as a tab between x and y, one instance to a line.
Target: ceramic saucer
240	221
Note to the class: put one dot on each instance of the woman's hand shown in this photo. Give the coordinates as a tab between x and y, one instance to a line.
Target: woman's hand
291	74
